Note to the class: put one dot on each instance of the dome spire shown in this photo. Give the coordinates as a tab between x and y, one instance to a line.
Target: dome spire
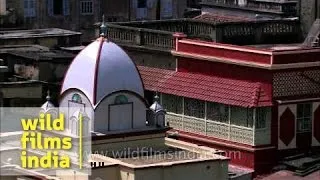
156	106
156	97
48	98
103	28
47	105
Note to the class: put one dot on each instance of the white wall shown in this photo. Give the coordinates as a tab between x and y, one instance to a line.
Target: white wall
102	112
64	104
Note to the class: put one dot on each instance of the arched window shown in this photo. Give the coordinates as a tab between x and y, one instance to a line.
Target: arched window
76	98
121	99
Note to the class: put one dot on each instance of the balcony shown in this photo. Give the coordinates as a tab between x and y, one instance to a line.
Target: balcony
279	7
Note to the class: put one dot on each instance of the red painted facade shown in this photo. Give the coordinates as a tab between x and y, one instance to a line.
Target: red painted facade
225	70
228	53
248	65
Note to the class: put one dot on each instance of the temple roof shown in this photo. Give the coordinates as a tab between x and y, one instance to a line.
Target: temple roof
101	69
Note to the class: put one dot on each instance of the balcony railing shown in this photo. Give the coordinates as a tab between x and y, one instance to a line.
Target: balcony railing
211	128
190	27
159	34
140	37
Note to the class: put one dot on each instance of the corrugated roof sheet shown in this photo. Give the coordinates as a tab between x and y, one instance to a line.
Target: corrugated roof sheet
204	87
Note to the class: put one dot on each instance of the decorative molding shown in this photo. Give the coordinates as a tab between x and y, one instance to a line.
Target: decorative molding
297	101
221	60
228	47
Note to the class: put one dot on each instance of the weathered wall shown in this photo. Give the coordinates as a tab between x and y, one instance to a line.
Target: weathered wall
153	59
308	13
116	9
178	7
204	170
50	42
110	172
75	21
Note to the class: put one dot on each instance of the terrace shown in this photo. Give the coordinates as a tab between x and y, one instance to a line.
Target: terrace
173	154
159	35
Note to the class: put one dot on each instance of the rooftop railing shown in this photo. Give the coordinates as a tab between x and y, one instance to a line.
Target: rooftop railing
159	34
287	7
140	36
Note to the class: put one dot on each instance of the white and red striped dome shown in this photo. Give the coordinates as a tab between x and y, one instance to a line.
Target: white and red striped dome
101	69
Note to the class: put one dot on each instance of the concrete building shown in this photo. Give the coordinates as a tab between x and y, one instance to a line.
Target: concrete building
309	12
66	14
78	15
51	38
306	10
31	69
126	10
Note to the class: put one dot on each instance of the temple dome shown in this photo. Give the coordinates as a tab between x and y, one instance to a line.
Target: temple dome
101	69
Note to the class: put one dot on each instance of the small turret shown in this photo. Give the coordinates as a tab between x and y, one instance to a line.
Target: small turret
157	115
48	107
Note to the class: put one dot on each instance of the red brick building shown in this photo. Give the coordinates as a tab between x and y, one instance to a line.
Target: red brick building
257	103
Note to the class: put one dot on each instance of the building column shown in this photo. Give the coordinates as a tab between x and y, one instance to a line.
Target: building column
182	113
205	117
254	125
229	121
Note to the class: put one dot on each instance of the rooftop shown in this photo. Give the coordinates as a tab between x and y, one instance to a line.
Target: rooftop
171	153
22	48
198	86
282	8
159	34
289	175
44	56
51	32
161	156
35	52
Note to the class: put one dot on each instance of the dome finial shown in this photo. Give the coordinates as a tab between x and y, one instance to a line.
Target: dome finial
103	28
48	96
156	97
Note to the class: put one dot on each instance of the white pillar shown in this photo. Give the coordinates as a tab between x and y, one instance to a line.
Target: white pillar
254	125
205	117
229	119
182	113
